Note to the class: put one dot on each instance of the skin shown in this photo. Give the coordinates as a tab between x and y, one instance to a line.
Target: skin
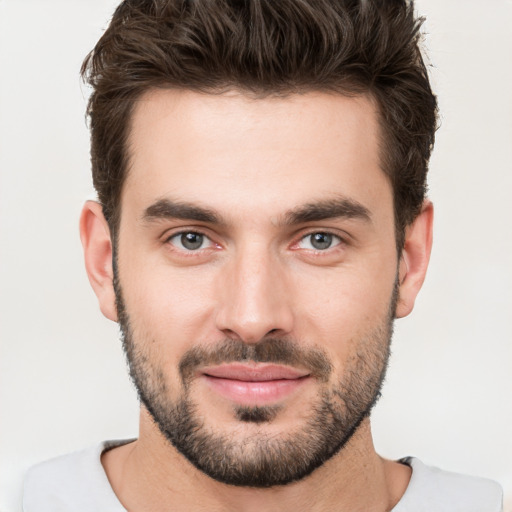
252	161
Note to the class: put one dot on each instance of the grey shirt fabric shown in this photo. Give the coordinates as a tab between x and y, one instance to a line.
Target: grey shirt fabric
434	490
77	483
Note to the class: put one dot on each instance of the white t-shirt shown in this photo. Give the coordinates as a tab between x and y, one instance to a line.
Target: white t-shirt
77	483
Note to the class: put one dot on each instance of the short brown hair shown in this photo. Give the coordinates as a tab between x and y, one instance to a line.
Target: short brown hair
265	47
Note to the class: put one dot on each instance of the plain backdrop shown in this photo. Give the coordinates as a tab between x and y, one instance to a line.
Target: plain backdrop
64	386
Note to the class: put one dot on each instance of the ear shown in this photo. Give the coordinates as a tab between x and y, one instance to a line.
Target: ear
414	259
96	241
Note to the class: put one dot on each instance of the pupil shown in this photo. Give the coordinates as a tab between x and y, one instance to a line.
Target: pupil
321	240
192	240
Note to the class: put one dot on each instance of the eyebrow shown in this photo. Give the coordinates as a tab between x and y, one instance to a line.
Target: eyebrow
310	212
167	209
329	209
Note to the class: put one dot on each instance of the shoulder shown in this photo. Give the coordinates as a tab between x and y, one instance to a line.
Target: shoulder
72	482
434	490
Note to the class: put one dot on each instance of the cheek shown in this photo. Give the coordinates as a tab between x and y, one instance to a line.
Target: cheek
344	309
166	306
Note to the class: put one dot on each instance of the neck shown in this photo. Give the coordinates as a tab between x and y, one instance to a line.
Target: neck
149	473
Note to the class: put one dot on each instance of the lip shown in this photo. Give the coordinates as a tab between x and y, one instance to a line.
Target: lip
262	384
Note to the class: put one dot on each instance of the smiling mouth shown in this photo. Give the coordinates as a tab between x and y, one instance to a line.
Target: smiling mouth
263	384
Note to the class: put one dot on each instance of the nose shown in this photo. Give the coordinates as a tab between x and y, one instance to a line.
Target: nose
254	299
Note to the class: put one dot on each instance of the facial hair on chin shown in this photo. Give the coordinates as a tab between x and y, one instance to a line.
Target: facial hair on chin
261	460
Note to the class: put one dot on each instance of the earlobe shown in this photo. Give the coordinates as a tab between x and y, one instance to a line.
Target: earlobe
414	259
97	245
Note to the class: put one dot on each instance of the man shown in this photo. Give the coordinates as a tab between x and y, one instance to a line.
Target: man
262	220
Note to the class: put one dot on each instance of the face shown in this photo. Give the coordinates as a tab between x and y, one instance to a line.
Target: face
256	277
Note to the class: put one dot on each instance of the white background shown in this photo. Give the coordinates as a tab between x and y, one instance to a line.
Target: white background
448	397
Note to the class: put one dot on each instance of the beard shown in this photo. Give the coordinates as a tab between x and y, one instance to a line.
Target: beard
258	459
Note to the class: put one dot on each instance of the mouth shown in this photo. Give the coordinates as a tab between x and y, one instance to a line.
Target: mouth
261	384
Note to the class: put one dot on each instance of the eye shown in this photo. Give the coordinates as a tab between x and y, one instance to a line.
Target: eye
190	241
319	241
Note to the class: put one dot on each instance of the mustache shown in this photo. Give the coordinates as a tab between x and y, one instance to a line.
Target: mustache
269	350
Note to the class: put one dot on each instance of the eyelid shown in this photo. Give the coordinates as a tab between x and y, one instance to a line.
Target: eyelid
343	239
181	230
176	232
178	237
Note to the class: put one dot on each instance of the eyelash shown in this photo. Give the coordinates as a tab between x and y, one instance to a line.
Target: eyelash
319	252
191	252
294	246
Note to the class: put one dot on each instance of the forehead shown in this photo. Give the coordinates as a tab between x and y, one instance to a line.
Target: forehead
231	152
